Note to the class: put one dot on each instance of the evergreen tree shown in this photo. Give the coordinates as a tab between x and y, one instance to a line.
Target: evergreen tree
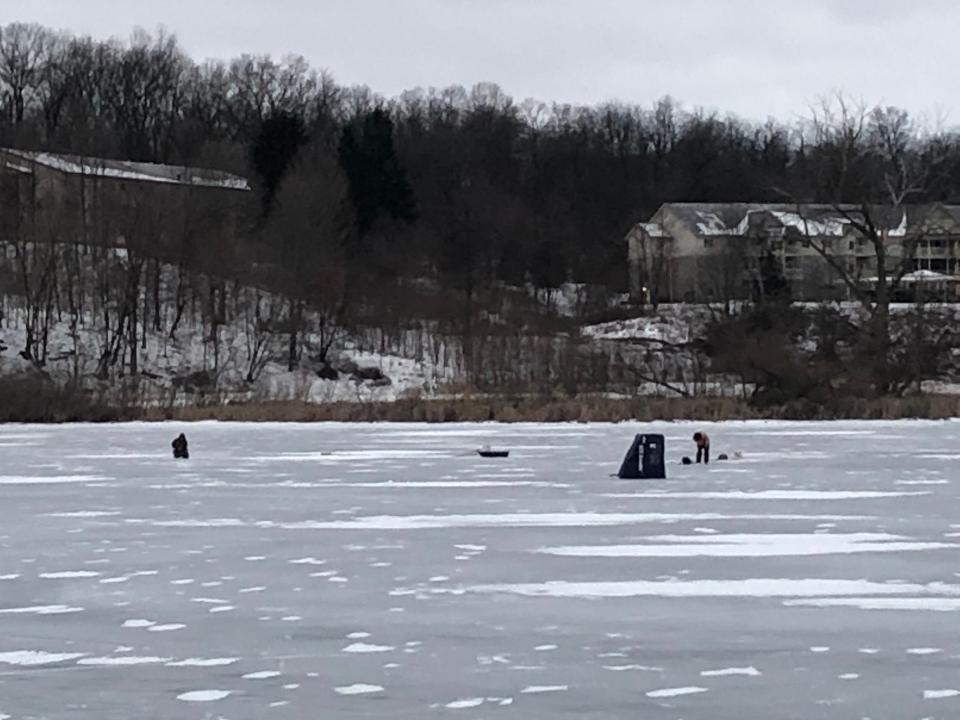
274	148
378	183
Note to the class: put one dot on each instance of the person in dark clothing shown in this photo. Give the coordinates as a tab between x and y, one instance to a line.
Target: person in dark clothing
180	450
703	447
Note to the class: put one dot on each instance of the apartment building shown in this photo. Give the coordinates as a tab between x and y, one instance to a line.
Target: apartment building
708	252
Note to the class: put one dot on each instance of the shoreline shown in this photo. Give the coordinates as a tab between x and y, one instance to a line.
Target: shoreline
496	409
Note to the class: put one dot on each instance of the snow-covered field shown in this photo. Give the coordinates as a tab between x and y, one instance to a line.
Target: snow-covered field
382	571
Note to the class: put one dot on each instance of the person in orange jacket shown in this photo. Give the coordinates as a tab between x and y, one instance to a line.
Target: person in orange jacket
703	446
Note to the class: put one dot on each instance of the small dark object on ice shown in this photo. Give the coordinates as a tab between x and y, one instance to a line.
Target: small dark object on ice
686	461
486	452
722	456
180	447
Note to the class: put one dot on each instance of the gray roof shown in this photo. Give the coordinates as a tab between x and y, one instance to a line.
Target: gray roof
733	219
23	161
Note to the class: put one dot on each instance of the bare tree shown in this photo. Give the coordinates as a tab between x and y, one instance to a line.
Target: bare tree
653	257
869	164
23	50
307	233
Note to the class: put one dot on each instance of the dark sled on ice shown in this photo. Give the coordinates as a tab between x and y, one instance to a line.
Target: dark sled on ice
488	453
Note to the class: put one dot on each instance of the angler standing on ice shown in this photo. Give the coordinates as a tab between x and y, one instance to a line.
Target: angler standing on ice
703	446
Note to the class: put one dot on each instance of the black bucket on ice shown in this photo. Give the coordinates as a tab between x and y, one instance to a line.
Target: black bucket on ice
644	459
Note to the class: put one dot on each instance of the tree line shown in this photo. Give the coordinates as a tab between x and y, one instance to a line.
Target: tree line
432	202
468	186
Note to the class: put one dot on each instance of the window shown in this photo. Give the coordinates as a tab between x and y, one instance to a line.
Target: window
708	242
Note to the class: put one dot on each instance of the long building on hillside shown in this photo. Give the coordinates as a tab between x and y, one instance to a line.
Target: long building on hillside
708	252
160	210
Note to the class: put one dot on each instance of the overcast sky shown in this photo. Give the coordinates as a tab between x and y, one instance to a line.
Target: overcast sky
753	57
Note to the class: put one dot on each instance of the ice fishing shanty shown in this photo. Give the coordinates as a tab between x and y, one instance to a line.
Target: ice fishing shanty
644	459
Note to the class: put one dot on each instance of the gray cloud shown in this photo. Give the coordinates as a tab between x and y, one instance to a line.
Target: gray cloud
750	57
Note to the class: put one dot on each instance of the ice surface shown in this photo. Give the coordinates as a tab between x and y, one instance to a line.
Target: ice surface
284	564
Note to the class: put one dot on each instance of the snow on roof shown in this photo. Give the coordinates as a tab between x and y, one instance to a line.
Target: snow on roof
825	226
16	167
128	170
654	230
734	219
711	224
901	229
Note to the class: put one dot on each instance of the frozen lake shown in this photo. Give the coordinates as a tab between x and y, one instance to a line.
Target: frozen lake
382	571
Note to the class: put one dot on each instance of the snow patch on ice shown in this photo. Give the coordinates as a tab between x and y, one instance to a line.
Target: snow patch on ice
570	519
358	689
676	692
940	694
749	545
123	660
48	479
203	662
752	587
464	704
204	695
535	689
748	671
360	647
68	574
138	623
169	627
84	514
261	675
41	610
771	495
28	658
933	604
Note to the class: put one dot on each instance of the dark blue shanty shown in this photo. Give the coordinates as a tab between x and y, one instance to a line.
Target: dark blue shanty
644	459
